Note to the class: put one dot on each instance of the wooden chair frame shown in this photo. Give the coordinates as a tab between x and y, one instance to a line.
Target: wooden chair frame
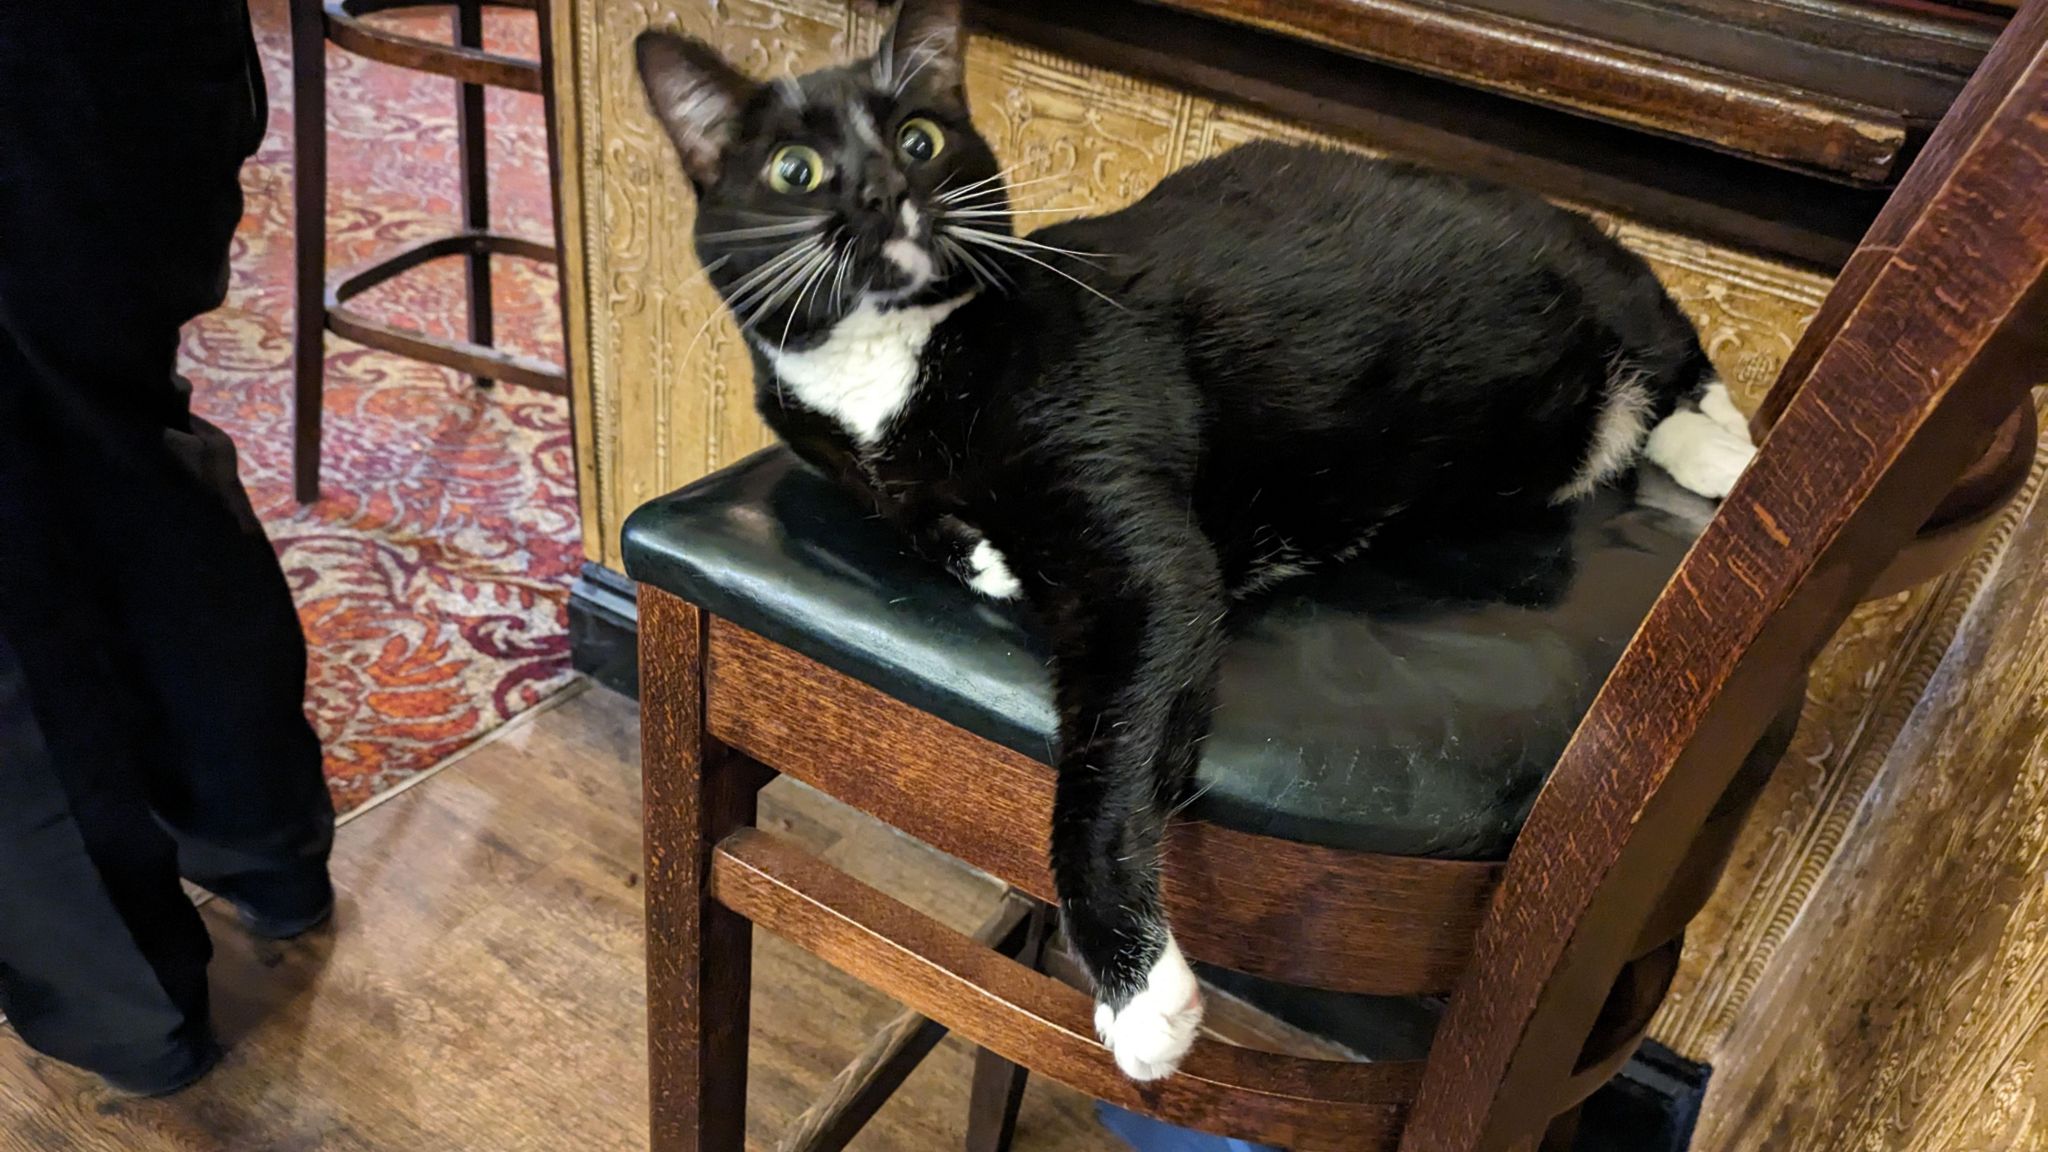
1898	430
322	306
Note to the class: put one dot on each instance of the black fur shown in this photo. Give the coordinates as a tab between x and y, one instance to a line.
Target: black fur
1277	354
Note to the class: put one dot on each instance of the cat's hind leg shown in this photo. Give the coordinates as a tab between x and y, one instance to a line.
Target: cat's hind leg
1705	444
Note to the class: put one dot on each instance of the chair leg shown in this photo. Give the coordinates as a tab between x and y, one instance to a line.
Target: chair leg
698	952
309	223
998	1088
471	133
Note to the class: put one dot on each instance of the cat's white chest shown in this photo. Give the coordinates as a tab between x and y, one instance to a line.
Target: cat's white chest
864	373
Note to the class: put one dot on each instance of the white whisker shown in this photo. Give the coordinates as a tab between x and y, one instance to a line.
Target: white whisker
987	273
787	228
976	192
978	213
982	238
930	51
789	287
745	311
966	188
810	285
736	295
1027	242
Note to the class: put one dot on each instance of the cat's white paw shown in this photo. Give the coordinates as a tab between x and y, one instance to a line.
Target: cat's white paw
1154	1031
1718	406
1701	453
989	573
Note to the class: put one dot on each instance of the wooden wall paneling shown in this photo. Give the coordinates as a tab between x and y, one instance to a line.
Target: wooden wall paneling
1905	1008
1866	691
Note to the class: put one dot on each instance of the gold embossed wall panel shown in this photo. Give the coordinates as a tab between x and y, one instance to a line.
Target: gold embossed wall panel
667	394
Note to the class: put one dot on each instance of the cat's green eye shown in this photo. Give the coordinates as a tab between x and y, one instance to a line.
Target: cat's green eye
920	140
795	169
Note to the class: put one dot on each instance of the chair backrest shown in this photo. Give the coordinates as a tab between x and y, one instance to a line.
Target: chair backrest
1928	343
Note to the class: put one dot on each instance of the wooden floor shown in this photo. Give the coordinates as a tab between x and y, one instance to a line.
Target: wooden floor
481	989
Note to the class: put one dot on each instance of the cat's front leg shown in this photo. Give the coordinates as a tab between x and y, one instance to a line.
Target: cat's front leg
967	554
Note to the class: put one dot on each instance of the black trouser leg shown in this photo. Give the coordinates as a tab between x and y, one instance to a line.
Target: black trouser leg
154	716
102	957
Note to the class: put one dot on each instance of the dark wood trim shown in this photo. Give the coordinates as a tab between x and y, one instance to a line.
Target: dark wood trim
1651	1105
1659	181
1667	91
1950	142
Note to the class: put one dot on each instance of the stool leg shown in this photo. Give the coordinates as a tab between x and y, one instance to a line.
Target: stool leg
698	951
309	224
998	1088
471	131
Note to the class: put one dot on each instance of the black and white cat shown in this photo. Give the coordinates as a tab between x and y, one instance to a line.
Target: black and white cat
1134	420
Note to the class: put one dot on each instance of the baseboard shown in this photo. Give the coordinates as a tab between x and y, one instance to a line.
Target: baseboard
604	617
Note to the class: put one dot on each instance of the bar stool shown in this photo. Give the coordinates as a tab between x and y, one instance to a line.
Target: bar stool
322	303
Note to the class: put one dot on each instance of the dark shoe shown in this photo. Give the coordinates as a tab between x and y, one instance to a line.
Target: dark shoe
175	1073
280	907
285	927
287	921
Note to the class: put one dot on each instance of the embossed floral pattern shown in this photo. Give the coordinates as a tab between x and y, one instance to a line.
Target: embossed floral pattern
433	574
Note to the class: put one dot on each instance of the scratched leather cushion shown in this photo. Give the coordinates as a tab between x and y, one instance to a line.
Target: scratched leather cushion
1410	702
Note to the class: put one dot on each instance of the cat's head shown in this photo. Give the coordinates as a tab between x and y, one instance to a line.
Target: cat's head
852	184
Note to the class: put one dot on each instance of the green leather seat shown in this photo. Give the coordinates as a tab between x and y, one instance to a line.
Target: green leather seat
1411	702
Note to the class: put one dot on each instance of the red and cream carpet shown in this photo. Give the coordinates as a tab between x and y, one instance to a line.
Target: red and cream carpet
433	574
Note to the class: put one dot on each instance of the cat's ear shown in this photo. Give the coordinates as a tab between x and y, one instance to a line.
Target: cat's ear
697	96
925	44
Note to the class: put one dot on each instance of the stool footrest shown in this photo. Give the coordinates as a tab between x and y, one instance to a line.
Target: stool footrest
461	355
347	28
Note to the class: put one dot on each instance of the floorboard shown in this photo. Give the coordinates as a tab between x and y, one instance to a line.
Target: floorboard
482	987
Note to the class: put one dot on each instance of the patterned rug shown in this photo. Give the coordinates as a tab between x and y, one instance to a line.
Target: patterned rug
433	574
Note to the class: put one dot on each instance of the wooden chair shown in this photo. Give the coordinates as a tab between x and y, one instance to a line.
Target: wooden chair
322	305
780	633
